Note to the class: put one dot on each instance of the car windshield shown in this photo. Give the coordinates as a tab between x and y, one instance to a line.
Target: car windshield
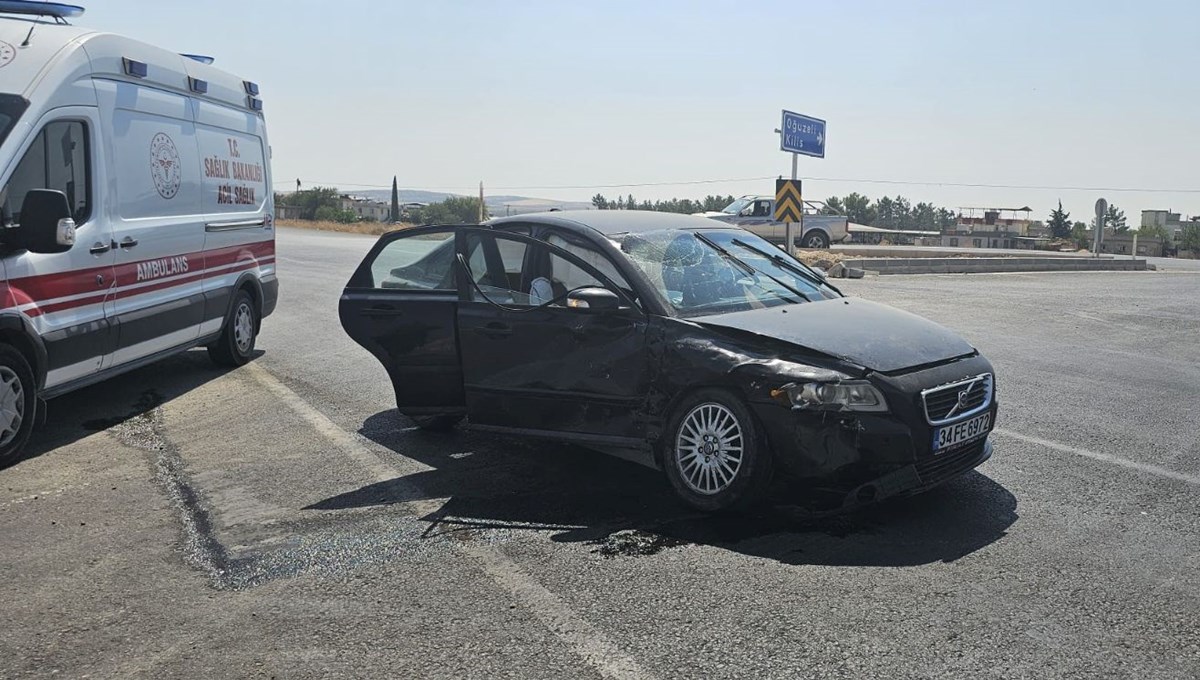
715	271
736	207
11	108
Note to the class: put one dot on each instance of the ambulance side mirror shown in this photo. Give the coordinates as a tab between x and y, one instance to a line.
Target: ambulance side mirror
46	225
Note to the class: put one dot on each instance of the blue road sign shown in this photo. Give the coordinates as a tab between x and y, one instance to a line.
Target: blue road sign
802	134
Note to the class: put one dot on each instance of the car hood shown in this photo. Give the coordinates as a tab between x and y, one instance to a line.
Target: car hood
869	334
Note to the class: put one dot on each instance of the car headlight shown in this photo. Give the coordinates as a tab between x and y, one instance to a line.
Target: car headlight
848	395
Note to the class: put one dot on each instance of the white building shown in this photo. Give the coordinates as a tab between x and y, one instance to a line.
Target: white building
365	208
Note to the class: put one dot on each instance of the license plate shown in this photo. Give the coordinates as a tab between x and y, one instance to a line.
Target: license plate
949	436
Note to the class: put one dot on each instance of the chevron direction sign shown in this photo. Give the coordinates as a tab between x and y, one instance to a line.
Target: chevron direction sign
788	204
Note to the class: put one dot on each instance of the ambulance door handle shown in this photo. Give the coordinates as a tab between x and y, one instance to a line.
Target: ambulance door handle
99	248
128	242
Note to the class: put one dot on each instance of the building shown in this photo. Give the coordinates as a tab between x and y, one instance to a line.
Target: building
1171	222
1123	244
990	228
365	208
287	212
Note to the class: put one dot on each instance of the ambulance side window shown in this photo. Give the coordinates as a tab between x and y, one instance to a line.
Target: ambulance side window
57	159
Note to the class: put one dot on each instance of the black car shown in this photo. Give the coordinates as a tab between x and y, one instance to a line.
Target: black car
681	342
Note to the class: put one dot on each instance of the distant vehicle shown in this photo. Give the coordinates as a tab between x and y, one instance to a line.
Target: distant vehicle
757	214
692	346
136	210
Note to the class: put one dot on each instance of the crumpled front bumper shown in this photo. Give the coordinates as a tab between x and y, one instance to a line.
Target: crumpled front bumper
922	475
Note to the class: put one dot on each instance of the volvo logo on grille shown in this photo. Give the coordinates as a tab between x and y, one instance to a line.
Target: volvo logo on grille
962	399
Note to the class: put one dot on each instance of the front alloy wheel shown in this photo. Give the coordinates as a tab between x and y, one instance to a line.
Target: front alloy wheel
713	453
708	448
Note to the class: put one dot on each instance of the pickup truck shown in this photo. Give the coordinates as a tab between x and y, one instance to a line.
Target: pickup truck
757	214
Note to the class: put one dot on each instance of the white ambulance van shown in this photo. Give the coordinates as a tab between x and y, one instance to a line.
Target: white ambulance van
135	210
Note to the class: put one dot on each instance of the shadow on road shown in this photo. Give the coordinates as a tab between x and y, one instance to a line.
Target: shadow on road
623	509
120	400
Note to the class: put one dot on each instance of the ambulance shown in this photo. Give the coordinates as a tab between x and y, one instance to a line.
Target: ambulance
136	212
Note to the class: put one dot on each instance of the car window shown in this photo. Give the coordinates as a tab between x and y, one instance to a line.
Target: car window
422	262
496	266
573	277
57	160
697	279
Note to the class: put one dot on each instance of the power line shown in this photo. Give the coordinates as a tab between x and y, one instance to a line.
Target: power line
859	180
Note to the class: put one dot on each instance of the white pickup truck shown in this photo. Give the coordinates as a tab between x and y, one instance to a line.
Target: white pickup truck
757	214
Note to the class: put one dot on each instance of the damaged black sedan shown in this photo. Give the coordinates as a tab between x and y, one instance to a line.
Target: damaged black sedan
684	343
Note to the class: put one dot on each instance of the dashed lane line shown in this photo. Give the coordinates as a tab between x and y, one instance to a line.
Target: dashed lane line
1103	457
580	636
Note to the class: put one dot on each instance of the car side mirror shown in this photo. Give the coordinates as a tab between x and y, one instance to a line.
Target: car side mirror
46	224
593	298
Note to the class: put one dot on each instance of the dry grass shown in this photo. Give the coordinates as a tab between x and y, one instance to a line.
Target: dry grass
370	228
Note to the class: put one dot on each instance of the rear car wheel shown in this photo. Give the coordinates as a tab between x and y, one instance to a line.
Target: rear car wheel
815	239
438	423
18	404
713	453
236	344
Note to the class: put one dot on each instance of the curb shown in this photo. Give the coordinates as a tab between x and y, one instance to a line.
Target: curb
986	265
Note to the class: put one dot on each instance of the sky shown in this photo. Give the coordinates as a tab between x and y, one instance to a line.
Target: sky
558	99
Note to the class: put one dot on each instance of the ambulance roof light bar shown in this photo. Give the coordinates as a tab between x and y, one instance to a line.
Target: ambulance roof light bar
58	11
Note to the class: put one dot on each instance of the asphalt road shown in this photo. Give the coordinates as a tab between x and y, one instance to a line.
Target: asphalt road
282	520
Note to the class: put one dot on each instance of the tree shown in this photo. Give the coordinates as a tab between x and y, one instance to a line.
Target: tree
859	209
715	203
395	216
946	219
311	200
1079	234
1154	231
834	206
1060	225
924	217
1189	239
1115	218
885	210
328	213
453	210
600	202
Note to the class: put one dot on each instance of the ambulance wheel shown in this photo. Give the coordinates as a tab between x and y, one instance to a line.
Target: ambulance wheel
236	344
18	405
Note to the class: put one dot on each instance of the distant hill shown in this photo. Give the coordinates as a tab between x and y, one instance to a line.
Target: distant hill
498	206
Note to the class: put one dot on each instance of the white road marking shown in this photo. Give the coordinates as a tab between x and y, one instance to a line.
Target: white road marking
580	636
1103	457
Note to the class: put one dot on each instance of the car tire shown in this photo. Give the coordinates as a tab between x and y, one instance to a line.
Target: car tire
815	239
438	423
700	453
18	405
236	344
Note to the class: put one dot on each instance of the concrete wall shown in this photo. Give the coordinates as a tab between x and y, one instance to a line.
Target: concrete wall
983	265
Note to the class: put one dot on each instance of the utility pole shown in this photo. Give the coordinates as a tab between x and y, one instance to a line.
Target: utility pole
482	212
1101	211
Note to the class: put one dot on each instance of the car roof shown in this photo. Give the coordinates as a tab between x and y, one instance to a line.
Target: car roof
615	221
